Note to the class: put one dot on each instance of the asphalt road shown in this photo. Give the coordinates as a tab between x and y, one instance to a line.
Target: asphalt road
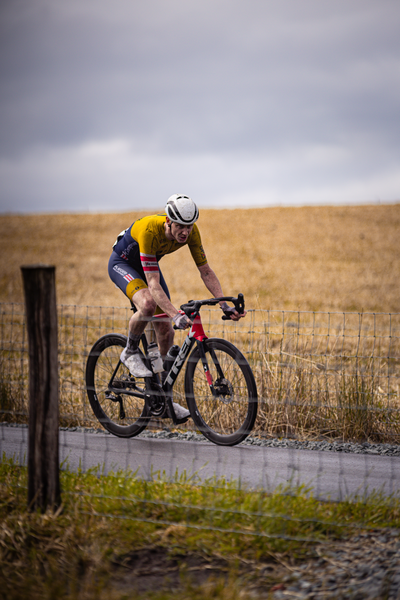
330	474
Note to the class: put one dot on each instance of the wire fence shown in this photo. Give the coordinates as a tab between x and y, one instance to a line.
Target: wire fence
319	374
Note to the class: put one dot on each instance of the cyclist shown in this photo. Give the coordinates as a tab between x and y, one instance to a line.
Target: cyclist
134	268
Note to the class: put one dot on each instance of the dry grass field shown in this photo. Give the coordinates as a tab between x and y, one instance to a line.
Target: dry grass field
308	258
336	374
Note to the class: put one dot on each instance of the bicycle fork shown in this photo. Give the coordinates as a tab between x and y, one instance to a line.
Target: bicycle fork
196	334
200	345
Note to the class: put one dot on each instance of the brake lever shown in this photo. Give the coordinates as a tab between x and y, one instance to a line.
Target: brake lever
191	307
239	306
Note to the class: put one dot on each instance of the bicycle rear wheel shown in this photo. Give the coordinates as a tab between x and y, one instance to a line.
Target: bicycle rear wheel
117	398
227	417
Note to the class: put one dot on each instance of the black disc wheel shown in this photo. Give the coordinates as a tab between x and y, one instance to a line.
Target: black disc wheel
116	397
221	394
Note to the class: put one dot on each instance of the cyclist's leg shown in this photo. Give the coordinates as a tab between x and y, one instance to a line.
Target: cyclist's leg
132	282
145	309
163	327
165	339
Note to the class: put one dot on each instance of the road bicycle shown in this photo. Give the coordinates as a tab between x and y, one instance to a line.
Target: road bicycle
219	385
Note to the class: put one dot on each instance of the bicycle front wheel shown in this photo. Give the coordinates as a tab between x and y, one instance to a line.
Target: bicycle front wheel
223	403
117	399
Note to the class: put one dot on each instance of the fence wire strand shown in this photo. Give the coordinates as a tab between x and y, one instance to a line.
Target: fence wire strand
330	376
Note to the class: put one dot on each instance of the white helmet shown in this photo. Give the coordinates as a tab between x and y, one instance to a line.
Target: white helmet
181	209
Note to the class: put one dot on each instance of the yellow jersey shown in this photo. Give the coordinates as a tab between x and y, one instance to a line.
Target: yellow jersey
145	240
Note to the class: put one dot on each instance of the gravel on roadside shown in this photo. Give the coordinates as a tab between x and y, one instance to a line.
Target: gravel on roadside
321	446
317	445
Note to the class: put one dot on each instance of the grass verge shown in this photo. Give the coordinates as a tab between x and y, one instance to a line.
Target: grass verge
119	537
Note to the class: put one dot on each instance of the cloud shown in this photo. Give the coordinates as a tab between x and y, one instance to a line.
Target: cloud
116	176
291	99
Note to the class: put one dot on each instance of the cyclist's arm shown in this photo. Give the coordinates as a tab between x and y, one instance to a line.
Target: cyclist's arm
210	280
213	285
158	294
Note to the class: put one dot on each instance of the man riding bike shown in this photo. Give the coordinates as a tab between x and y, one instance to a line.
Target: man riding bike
134	268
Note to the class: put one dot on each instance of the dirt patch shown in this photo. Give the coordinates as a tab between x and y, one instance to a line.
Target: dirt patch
155	569
367	565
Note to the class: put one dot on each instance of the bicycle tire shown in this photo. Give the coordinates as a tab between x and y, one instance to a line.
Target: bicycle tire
100	367
227	418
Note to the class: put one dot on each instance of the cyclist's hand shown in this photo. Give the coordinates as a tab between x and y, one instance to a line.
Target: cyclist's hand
182	321
231	312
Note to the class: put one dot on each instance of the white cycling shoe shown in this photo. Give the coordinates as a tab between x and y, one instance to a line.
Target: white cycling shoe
135	364
182	414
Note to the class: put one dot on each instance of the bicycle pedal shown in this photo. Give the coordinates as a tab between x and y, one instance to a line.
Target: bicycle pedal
176	421
181	421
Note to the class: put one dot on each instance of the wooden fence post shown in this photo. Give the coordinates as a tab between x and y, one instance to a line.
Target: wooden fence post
43	452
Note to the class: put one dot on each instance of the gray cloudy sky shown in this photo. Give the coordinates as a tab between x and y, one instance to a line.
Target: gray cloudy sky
116	105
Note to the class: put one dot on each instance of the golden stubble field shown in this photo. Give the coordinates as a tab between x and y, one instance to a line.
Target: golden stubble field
307	258
315	375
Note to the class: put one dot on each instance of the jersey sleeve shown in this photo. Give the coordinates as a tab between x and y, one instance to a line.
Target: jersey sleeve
145	238
196	248
149	263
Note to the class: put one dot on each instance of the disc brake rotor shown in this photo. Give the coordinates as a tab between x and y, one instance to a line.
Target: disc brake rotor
224	390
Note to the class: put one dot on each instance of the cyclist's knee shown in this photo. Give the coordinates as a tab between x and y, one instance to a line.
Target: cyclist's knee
144	303
148	307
